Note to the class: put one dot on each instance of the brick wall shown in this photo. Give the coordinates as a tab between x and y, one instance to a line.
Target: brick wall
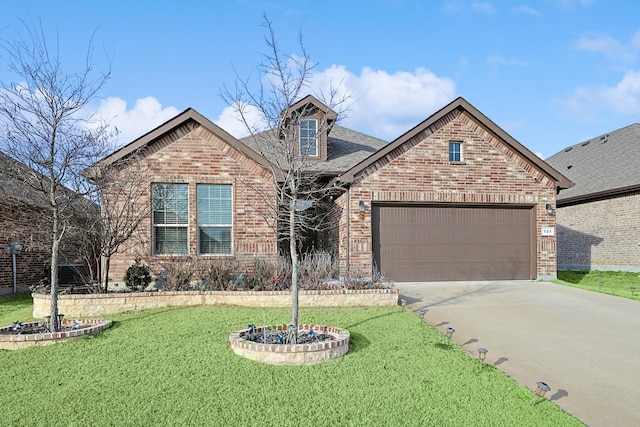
600	235
420	171
197	156
29	229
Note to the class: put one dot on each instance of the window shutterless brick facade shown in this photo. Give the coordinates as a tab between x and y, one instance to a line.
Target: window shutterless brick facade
192	155
419	171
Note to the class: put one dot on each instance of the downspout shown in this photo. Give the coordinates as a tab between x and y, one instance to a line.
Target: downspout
348	245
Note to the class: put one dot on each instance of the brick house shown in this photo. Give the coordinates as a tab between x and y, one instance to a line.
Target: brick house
25	220
206	189
599	218
455	198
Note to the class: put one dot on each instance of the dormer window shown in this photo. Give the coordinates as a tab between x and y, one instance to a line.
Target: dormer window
308	138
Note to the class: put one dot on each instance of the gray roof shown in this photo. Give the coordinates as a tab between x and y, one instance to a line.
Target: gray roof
606	164
345	148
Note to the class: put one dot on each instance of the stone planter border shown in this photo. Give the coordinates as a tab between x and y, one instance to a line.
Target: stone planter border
87	305
15	342
292	354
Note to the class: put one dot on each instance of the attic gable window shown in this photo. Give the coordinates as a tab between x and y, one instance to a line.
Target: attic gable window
308	138
455	151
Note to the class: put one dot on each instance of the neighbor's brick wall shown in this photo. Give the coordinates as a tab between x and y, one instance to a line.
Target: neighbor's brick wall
23	226
420	172
197	156
600	235
31	227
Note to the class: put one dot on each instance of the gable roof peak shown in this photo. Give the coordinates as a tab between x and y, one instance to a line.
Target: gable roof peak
459	103
188	115
312	100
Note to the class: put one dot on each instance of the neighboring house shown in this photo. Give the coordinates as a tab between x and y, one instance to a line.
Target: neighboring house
599	218
455	198
24	219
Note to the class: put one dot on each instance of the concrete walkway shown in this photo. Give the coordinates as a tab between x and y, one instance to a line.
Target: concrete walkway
585	345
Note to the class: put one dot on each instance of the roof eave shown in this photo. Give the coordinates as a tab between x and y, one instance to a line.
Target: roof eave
597	195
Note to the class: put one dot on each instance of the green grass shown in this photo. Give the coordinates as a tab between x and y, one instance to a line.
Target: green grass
174	367
617	283
18	306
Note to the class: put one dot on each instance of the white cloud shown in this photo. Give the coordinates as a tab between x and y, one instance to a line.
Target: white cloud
524	9
497	60
146	114
230	121
611	48
381	104
588	102
455	6
482	6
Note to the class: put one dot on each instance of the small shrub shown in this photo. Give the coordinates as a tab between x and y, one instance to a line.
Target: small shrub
178	275
137	276
219	275
262	277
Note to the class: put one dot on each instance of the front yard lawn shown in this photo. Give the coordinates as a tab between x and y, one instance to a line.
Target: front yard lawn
174	366
620	283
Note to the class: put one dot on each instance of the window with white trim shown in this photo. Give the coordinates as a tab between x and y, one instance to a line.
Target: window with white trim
214	219
170	204
309	138
455	151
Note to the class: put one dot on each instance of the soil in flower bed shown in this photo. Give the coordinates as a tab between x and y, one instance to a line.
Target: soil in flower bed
278	337
40	328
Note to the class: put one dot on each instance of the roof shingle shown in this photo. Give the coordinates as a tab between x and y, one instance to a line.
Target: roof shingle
602	164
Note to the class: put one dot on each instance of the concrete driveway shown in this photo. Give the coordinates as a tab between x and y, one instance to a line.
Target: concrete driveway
585	345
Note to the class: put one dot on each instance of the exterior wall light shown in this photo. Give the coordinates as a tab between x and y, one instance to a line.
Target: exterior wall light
482	354
541	389
450	332
549	209
362	208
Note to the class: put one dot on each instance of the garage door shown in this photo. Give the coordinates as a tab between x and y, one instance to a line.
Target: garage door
433	243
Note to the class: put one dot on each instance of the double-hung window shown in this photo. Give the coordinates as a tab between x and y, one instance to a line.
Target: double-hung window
455	151
214	219
170	203
308	138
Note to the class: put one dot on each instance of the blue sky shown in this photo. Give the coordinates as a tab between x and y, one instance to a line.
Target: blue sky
551	73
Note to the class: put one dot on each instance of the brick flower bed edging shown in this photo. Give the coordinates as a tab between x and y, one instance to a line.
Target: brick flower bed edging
99	304
15	342
292	354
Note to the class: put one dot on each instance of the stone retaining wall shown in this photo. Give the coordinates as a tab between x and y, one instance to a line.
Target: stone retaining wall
292	354
16	342
100	304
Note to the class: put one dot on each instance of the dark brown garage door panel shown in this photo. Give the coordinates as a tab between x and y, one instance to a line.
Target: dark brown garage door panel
427	243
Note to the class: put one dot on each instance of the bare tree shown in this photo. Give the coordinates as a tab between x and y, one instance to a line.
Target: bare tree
283	81
122	194
41	117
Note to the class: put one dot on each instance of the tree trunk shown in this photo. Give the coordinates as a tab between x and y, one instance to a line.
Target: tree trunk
294	265
55	251
104	272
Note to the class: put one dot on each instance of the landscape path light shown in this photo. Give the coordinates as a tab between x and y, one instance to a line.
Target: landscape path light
421	314
482	354
450	332
541	389
403	303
